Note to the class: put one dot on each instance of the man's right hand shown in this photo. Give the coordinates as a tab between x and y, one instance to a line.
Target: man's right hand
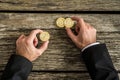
26	46
86	34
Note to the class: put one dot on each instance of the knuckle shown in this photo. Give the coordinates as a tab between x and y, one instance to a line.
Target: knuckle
27	41
16	41
80	19
95	30
33	31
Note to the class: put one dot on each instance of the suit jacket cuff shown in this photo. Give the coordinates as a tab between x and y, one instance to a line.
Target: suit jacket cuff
90	45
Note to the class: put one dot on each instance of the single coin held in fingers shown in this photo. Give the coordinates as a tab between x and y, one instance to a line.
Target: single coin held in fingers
69	23
44	36
60	22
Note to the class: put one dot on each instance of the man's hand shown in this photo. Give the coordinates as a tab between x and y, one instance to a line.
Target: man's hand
26	46
86	34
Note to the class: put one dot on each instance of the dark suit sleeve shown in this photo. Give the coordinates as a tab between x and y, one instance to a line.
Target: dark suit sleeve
17	68
98	63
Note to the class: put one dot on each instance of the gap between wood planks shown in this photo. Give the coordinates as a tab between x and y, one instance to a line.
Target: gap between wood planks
59	71
65	12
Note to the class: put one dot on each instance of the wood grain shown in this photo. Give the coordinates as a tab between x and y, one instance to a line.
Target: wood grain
58	76
60	55
60	5
21	21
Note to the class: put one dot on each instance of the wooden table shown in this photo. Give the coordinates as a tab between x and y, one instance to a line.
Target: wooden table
62	59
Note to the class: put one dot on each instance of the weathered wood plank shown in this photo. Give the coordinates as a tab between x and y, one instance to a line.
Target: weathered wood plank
60	55
11	21
60	5
58	76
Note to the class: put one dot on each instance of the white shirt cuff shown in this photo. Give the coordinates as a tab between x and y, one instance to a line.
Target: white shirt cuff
96	43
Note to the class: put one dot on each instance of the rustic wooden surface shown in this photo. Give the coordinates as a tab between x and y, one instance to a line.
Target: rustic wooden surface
62	55
62	59
58	76
60	5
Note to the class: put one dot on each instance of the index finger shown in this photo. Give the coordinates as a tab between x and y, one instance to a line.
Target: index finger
75	18
80	22
33	34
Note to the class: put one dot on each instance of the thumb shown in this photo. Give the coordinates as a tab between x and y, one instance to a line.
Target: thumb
43	47
71	34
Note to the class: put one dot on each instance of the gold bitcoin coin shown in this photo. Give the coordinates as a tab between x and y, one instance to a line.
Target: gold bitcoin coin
44	36
68	23
60	22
